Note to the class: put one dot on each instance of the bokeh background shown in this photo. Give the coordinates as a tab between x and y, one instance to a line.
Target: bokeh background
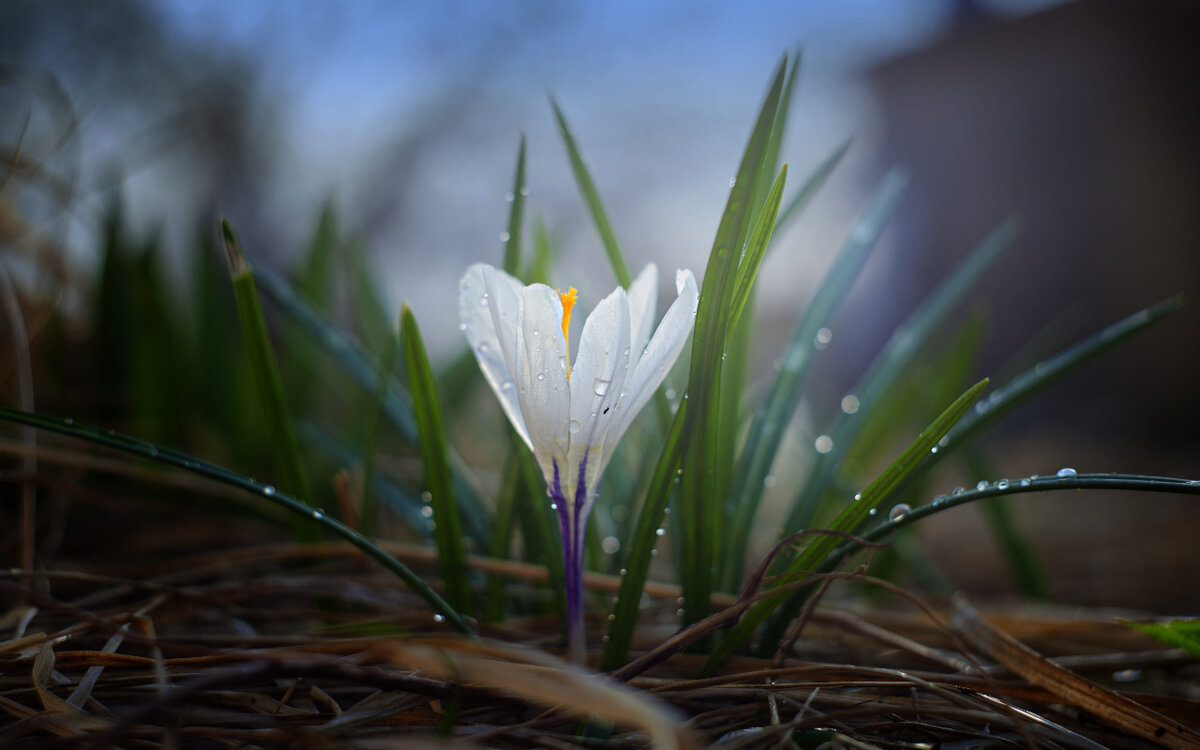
1080	118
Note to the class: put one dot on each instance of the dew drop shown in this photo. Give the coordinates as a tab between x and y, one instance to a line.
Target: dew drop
622	572
268	490
600	386
318	514
850	404
553	506
872	511
823	444
610	545
823	337
483	300
956	491
427	511
1002	484
660	532
506	385
1066	473
934	449
1026	482
769	481
426	496
732	181
857	496
439	617
483	348
509	197
537	332
524	190
611	617
462	326
939	501
981	485
899	511
574	426
504	236
541	376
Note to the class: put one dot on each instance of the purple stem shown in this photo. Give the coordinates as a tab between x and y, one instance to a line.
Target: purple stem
572	523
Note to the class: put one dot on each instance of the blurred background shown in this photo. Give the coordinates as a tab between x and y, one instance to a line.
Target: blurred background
1080	118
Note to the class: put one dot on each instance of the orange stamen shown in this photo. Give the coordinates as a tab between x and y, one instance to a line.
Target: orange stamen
568	301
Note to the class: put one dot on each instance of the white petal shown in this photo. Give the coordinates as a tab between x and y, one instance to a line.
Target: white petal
663	349
597	385
643	306
540	372
486	296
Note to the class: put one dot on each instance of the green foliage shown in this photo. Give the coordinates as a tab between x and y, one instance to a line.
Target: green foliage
1184	634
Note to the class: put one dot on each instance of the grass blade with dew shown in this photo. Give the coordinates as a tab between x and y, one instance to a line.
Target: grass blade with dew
700	501
175	459
452	553
1064	479
512	237
782	606
591	196
756	248
891	361
771	165
640	545
773	415
363	369
265	370
1023	386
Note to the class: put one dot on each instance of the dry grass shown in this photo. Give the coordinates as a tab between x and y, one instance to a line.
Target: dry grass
281	646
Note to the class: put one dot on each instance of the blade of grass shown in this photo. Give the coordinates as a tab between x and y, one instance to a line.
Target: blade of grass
503	522
891	361
512	238
591	196
756	248
289	464
702	512
175	459
452	553
1003	400
782	606
369	434
639	548
363	369
772	417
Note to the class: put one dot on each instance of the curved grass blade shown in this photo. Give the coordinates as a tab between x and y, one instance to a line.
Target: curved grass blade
194	465
782	606
512	238
778	131
1066	479
772	417
289	465
891	361
363	369
452	553
640	545
702	512
591	197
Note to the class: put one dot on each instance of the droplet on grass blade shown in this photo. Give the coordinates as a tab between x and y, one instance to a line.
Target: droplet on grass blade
1066	473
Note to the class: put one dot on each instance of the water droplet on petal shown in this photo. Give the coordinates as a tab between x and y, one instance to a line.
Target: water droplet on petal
541	376
1066	473
574	426
899	511
483	349
600	386
506	385
483	300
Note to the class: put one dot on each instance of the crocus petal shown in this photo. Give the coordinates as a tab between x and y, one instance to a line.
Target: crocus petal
663	349
540	372
597	387
643	302
488	304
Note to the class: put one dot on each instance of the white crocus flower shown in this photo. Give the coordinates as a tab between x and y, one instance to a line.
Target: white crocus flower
571	415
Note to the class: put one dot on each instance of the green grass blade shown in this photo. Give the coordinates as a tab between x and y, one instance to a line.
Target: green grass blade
781	606
512	238
175	459
1003	400
800	200
538	270
503	522
452	553
1180	633
369	433
363	369
539	528
770	162
891	361
702	511
636	562
772	417
591	196
289	464
1064	480
756	248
